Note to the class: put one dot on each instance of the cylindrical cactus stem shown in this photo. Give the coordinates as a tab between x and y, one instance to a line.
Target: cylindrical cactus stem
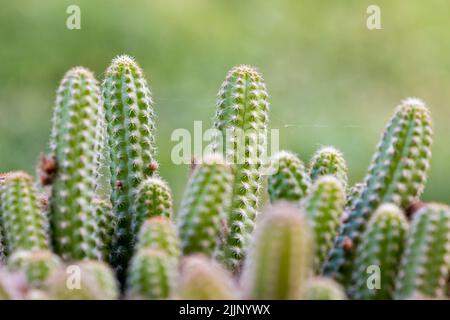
202	278
154	198
321	288
38	266
280	258
84	280
378	256
242	119
106	222
329	161
397	175
425	266
131	129
151	275
290	180
75	152
324	207
25	225
159	233
204	207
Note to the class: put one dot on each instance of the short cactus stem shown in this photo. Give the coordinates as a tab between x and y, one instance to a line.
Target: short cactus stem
329	161
425	265
106	222
280	258
321	288
397	175
290	181
324	207
75	151
202	278
204	207
25	225
380	251
242	119
131	141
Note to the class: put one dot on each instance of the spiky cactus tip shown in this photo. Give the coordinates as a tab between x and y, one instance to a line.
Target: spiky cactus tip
396	175
202	278
106	222
131	140
329	161
242	119
321	288
425	266
204	206
378	255
25	225
289	181
76	144
280	258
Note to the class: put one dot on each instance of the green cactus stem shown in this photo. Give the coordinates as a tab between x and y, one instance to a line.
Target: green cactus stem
204	279
290	181
280	257
381	248
324	207
242	119
130	126
106	222
321	288
25	225
425	263
204	207
329	161
397	175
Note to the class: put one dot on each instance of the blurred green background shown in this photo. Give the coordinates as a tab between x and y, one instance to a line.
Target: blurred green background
331	80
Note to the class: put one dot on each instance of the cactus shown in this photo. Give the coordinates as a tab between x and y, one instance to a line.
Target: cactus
24	224
280	258
323	289
152	275
397	174
242	119
425	265
85	280
159	233
290	181
106	222
75	148
353	195
204	206
381	246
38	266
324	207
329	161
130	126
204	279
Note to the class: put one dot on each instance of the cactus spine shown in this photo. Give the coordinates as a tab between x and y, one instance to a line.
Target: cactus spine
290	181
320	288
397	174
324	207
159	233
204	206
425	266
329	161
131	141
106	222
242	119
280	258
24	224
381	246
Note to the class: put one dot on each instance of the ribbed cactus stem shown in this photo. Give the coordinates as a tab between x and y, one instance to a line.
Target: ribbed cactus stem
290	181
204	279
106	222
75	148
131	129
324	207
159	233
242	119
425	266
329	161
204	207
378	256
397	175
280	257
25	225
321	288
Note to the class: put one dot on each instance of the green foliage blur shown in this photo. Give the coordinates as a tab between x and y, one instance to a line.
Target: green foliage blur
331	80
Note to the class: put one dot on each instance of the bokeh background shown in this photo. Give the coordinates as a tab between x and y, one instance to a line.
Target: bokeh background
331	80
